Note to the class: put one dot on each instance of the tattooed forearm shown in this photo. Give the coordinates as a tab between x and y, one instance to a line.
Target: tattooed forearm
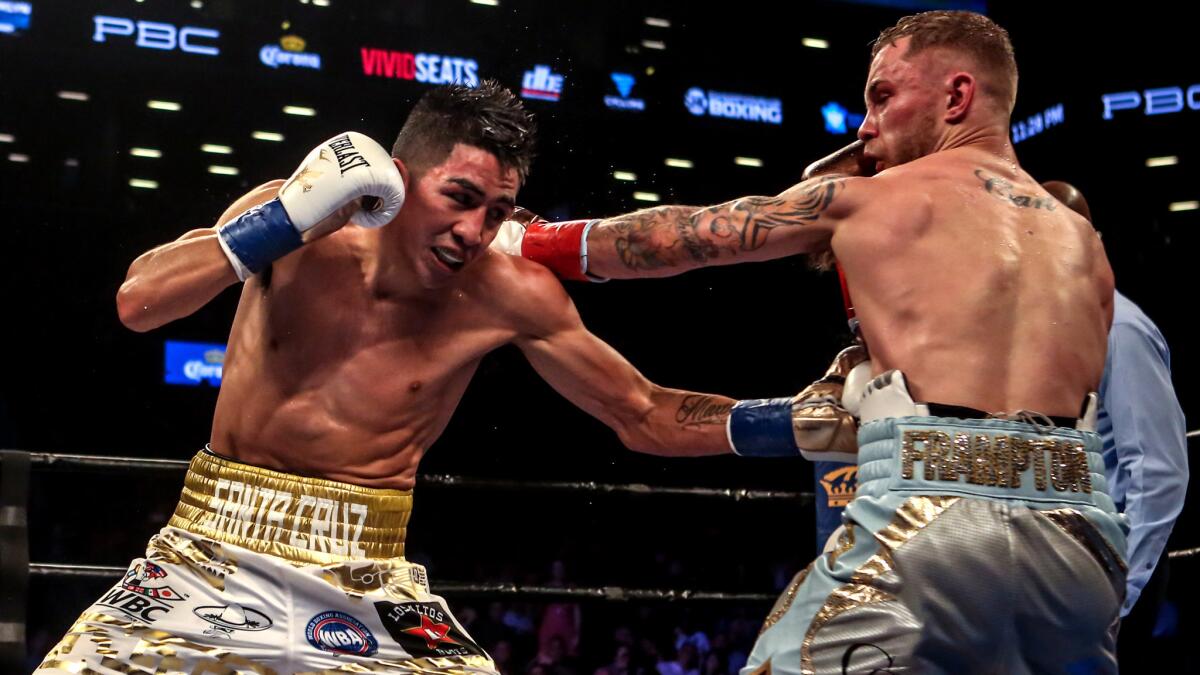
1003	190
677	236
635	237
698	410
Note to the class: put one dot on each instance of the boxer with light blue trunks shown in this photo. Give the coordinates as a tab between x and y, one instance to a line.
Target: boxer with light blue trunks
966	533
983	545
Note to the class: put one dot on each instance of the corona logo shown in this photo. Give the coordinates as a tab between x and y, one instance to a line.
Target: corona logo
840	485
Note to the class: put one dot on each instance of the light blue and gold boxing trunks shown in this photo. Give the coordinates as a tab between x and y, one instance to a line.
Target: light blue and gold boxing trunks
263	572
972	546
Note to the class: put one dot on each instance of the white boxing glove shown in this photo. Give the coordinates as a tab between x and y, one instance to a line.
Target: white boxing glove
346	168
855	386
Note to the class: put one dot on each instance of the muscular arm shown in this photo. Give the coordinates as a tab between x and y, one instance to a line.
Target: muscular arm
592	375
667	240
174	280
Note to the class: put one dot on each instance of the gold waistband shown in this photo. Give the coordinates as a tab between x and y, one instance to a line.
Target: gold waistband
300	519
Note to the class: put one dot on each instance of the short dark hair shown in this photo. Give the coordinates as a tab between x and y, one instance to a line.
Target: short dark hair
488	116
968	32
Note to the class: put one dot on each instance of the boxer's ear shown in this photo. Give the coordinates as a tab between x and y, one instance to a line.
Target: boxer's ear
960	93
403	169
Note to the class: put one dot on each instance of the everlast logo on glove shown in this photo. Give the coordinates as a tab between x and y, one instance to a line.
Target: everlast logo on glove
347	155
425	629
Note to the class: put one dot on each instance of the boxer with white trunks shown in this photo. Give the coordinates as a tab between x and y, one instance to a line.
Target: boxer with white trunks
349	352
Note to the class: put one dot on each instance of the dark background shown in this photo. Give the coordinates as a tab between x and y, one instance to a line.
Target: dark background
76	381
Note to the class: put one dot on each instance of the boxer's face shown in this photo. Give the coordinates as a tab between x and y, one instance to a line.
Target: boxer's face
902	100
453	210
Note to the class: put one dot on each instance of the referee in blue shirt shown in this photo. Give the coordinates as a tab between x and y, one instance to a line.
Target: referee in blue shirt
1145	451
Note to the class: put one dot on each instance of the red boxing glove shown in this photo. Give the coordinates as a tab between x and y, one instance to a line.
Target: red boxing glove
561	247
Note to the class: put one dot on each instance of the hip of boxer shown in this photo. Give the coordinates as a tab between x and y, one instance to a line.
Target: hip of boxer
264	572
300	519
1041	462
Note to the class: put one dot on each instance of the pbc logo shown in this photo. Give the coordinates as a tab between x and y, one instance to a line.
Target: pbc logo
1158	101
138	597
340	633
840	485
155	35
425	629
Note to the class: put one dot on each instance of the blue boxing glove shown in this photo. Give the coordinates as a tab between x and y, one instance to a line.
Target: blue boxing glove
346	169
818	423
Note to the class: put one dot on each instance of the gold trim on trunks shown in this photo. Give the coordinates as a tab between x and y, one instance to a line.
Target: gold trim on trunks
156	651
914	515
299	519
784	602
1081	529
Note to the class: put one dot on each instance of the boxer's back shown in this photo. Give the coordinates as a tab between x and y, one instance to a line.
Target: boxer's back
977	284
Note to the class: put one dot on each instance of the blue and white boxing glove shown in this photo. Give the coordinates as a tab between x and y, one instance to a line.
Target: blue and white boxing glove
347	168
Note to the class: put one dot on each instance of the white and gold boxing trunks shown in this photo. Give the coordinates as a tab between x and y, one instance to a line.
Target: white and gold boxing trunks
264	572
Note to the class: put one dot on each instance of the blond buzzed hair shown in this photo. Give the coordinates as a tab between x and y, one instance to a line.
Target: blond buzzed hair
966	32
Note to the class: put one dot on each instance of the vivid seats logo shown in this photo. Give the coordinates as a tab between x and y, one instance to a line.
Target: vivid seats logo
424	68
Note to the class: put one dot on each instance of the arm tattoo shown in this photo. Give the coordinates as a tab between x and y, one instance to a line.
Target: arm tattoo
697	411
1003	190
672	235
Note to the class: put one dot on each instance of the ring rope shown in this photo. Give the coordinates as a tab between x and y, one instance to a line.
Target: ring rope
465	588
53	460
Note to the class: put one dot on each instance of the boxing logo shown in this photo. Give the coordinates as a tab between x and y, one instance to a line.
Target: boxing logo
425	629
733	106
224	619
340	633
135	598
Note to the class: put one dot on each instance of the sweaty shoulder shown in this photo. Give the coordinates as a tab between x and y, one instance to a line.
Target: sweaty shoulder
525	292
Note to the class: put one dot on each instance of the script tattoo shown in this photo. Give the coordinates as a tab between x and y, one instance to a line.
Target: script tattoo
1003	190
670	236
697	411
